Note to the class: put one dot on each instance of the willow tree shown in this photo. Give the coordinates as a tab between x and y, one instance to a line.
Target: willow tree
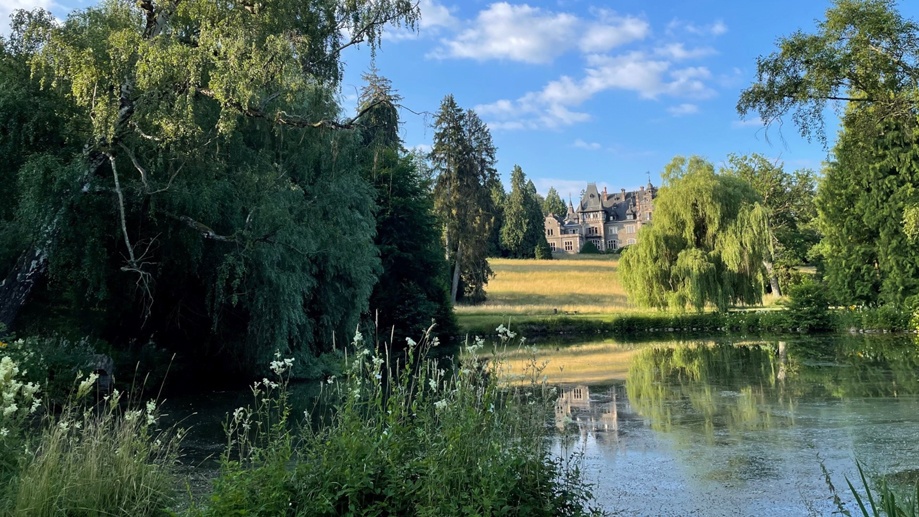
218	204
706	245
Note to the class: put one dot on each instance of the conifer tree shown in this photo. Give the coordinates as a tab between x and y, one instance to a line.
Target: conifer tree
463	159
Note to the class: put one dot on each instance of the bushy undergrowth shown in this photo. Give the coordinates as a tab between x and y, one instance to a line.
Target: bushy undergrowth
403	437
88	460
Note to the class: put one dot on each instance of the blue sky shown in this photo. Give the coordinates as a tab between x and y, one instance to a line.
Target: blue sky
578	91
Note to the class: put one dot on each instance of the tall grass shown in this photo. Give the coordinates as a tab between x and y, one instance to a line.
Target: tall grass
406	436
89	460
588	286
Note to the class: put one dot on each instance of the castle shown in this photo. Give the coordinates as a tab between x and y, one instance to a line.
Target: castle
609	221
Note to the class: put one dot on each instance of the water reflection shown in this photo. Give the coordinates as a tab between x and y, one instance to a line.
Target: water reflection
723	428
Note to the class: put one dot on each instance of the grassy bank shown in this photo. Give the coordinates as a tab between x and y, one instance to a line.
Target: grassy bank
392	435
582	295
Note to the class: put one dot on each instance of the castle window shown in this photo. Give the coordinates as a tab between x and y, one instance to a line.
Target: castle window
552	246
610	245
631	241
568	246
630	228
549	232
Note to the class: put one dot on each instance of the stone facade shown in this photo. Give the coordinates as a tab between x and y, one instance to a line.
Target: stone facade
610	221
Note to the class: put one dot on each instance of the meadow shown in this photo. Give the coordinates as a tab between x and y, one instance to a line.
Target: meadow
576	286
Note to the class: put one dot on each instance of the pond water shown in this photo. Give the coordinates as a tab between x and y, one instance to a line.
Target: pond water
758	428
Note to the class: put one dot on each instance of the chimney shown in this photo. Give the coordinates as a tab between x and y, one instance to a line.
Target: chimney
623	194
604	194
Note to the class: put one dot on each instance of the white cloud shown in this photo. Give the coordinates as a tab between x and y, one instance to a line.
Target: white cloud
534	35
714	29
682	110
421	148
679	52
553	106
590	146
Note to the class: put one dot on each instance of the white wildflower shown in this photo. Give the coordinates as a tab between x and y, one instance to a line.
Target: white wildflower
432	382
64	425
440	404
4	432
330	380
358	340
131	415
10	409
36	403
411	342
86	385
151	412
435	341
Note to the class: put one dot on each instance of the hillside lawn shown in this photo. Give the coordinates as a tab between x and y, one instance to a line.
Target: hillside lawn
574	286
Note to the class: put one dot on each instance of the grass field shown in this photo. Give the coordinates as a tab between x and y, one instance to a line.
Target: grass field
582	286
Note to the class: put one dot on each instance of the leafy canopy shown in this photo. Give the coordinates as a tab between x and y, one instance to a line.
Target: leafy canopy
706	245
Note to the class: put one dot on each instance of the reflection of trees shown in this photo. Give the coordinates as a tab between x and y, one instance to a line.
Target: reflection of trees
706	387
709	387
857	366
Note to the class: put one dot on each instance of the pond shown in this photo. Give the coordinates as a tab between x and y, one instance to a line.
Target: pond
758	428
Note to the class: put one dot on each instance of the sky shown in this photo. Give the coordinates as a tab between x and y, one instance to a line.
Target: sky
576	91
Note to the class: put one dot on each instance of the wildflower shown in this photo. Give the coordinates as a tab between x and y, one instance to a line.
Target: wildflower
435	341
358	340
440	404
151	412
330	380
131	415
64	425
411	342
10	409
432	383
4	432
86	385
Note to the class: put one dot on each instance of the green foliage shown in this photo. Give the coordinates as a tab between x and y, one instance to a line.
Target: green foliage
864	51
53	363
83	460
463	159
412	291
590	248
553	204
424	443
886	502
219	204
706	246
543	250
523	230
809	306
789	197
862	202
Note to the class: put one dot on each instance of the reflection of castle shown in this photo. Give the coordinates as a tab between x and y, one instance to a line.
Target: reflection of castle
575	405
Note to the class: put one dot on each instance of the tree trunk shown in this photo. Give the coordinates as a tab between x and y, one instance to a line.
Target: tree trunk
16	287
456	272
773	280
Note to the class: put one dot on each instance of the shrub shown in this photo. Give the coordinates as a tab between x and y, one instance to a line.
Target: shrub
589	248
809	306
543	250
404	437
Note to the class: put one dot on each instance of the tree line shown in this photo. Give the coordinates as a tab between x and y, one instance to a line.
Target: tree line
720	238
